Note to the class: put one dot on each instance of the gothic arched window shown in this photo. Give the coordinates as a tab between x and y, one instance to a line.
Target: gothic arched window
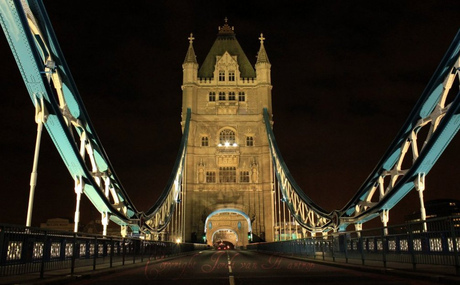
227	136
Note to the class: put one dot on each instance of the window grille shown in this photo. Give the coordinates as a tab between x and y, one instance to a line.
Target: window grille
212	96
241	96
227	174
210	177
204	141
244	177
227	136
249	141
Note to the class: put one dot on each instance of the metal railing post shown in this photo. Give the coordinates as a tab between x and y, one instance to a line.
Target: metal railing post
45	254
142	250
384	247
123	252
96	250
454	244
74	254
135	243
111	252
361	248
2	245
333	251
410	243
345	247
322	248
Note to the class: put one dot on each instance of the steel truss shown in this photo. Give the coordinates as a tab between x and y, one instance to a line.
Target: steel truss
431	125
60	108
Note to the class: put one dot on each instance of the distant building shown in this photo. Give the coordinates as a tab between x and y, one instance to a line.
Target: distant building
93	227
438	209
58	224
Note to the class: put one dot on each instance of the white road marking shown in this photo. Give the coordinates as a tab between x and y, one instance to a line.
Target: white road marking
231	278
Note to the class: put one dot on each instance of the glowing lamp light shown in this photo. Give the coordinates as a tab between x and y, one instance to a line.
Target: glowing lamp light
228	144
178	240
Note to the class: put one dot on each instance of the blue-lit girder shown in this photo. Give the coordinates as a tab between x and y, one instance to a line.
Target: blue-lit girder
54	94
411	155
413	152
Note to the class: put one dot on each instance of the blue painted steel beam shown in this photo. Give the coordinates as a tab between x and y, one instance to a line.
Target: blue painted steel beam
446	130
30	51
35	48
431	151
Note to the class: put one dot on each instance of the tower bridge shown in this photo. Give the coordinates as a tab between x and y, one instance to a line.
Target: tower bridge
229	178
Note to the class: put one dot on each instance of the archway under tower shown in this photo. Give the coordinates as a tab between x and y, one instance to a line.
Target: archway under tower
228	225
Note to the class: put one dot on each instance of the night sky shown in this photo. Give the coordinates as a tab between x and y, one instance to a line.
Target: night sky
345	76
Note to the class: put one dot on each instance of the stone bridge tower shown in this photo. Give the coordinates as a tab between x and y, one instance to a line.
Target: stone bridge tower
229	175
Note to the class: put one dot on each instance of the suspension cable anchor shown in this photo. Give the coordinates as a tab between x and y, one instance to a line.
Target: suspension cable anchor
41	115
420	187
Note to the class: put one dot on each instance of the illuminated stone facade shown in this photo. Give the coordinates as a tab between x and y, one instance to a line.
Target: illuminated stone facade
228	165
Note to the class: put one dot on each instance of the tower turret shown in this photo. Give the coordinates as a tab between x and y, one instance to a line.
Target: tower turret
190	77
263	64
263	74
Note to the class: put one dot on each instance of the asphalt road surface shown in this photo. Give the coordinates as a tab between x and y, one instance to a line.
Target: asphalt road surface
243	267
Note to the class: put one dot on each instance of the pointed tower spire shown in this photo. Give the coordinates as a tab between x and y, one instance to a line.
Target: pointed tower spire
263	64
189	76
190	57
262	54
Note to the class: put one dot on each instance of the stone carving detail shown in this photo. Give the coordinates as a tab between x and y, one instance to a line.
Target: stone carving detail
254	172
201	172
228	160
227	108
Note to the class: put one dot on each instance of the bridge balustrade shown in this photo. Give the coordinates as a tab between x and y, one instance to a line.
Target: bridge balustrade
28	250
434	242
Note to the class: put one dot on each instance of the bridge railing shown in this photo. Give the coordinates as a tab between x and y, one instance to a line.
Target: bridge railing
30	250
412	245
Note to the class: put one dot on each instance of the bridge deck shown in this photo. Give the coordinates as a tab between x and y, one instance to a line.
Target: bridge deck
206	267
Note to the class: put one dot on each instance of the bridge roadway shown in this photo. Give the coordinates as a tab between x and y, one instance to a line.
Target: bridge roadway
243	267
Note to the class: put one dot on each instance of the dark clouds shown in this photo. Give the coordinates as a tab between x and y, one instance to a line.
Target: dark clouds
345	76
